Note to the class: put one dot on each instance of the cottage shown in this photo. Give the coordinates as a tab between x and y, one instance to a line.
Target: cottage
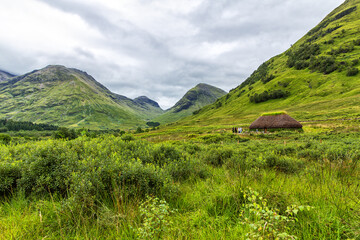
275	120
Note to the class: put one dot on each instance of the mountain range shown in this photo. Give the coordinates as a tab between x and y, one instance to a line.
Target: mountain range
316	79
72	98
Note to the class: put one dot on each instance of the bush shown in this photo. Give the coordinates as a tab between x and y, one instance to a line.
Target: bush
156	220
9	174
166	153
65	133
267	78
284	164
352	72
216	156
153	124
299	56
356	42
266	95
324	65
139	130
127	137
344	13
5	139
48	168
140	180
185	169
342	49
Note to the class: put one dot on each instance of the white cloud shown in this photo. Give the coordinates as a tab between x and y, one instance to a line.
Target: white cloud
157	48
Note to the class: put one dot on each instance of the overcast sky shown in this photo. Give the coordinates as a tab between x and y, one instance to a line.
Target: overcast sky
157	48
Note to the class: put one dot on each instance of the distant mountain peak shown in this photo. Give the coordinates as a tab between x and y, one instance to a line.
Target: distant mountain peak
145	100
5	75
194	99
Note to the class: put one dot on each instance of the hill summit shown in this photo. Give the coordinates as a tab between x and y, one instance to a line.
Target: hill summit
70	97
196	98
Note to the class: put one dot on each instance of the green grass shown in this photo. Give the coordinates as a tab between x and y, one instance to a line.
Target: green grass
274	113
92	188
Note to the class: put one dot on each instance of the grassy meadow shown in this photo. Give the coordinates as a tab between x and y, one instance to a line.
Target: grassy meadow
205	183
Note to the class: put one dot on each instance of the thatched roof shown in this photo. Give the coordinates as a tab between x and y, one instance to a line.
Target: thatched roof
275	121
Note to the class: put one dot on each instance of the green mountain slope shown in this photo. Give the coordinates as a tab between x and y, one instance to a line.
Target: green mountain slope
68	97
317	78
196	98
5	76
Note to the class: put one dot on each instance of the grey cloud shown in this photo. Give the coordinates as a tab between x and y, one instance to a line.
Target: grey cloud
166	66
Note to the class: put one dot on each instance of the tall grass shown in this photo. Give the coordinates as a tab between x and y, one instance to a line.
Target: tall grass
93	188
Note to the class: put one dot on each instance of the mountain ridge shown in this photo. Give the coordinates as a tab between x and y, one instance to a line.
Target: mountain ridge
69	97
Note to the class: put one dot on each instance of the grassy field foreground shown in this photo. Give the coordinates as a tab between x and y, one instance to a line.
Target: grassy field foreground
284	185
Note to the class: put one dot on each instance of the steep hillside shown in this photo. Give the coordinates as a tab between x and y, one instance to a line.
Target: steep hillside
68	97
317	78
5	76
196	98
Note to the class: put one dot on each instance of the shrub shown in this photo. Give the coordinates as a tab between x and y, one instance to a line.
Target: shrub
355	62
267	78
185	169
153	124
266	95
65	133
244	160
48	168
156	219
356	42
139	130
299	56
5	139
140	180
165	153
127	137
264	222
342	49
216	156
9	174
344	13
284	164
352	72
324	65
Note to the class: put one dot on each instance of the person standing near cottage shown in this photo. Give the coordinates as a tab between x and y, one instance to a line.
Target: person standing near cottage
240	130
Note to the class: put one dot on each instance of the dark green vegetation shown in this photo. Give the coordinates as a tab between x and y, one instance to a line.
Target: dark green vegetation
196	98
214	186
317	78
72	98
10	125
